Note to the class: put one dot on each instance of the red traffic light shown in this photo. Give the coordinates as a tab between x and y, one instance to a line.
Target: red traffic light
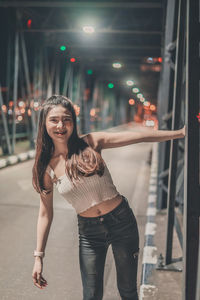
29	23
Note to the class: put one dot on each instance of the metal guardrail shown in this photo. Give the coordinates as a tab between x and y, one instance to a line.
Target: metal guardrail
179	178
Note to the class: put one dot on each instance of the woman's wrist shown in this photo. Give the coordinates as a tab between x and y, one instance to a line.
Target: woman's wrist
181	132
39	253
38	258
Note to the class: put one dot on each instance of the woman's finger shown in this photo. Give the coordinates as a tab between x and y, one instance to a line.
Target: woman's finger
43	278
36	283
39	278
44	282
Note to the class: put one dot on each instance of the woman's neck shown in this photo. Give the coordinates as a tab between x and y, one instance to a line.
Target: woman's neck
60	150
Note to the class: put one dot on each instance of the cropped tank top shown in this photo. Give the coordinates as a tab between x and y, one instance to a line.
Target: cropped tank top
87	192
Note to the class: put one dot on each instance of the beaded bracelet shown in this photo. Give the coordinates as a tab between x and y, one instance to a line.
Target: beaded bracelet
38	253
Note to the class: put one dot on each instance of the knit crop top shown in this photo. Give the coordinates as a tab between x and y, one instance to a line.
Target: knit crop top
88	192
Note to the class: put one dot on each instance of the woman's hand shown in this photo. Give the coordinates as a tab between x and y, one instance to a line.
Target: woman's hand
38	279
183	131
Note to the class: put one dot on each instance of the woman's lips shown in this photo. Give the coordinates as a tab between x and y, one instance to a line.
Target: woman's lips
61	133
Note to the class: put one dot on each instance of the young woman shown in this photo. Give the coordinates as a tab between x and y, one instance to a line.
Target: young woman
74	164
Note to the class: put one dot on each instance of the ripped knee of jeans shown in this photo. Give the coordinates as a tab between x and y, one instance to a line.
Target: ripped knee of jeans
135	254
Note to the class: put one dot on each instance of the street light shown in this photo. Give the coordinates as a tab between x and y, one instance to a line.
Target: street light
117	65
130	82
88	29
135	90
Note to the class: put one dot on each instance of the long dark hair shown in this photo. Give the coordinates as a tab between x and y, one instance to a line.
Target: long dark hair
81	159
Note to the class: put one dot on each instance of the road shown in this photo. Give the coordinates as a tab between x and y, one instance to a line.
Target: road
18	216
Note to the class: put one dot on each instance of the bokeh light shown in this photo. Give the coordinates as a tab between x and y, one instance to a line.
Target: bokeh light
111	85
135	90
131	101
62	48
117	65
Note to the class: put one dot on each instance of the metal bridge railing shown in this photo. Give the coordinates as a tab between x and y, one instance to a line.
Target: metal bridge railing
179	103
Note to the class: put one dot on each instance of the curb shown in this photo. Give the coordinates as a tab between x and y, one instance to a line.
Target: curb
149	261
14	159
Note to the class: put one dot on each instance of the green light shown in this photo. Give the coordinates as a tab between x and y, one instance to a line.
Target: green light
89	72
111	85
62	48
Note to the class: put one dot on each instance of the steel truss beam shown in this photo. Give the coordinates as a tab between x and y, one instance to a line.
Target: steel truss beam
115	47
191	171
165	96
84	4
104	31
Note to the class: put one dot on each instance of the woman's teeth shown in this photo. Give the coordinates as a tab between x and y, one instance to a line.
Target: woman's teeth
60	133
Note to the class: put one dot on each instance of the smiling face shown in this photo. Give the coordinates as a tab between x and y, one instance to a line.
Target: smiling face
59	124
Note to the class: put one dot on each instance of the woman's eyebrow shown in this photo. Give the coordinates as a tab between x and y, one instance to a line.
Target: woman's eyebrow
58	117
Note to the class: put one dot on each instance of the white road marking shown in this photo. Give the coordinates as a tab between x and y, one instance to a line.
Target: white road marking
147	291
149	255
152	181
152	198
23	156
31	153
151	211
150	228
152	188
3	163
12	159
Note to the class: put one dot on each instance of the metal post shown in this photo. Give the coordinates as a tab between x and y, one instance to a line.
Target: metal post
8	71
81	95
198	278
27	79
40	76
165	97
15	89
70	88
26	117
191	171
5	125
57	80
175	123
66	79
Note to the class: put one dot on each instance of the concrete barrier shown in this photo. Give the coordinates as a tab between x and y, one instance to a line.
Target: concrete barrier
149	261
14	159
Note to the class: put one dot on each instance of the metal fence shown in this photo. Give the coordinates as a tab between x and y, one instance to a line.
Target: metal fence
179	103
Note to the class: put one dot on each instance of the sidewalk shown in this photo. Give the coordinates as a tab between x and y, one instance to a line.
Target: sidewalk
168	283
162	283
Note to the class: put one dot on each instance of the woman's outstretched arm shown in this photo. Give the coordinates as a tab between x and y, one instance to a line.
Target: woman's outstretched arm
44	221
104	140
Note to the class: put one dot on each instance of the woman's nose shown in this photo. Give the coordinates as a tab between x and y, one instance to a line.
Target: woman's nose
60	124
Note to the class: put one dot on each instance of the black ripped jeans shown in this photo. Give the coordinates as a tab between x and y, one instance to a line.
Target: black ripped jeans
118	228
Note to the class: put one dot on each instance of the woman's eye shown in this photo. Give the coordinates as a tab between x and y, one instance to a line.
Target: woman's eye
64	120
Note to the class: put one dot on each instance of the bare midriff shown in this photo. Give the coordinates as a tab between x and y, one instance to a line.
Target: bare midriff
102	208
